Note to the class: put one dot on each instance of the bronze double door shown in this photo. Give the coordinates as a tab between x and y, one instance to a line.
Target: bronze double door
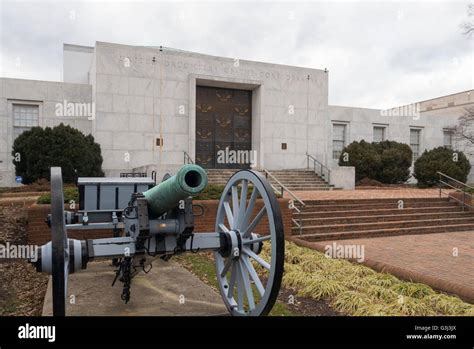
223	127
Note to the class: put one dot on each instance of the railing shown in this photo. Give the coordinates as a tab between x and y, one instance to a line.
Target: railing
187	159
299	224
293	205
324	171
462	188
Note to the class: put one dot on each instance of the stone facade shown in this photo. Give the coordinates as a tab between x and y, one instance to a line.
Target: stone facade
47	96
144	101
147	93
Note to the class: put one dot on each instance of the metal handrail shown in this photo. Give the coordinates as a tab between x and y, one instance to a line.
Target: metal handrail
283	189
463	190
187	159
455	180
298	224
321	166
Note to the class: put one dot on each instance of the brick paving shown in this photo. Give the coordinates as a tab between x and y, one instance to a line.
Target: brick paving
426	258
365	194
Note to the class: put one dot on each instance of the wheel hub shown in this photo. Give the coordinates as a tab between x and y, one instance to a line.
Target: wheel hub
231	243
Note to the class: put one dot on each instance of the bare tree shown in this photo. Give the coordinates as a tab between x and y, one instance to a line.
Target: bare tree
468	27
465	127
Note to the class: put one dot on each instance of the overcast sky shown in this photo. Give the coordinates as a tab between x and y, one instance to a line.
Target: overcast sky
379	54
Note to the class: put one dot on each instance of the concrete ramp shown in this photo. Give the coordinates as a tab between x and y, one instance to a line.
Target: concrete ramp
167	290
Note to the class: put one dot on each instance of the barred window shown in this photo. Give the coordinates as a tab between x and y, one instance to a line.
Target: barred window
25	116
338	140
415	137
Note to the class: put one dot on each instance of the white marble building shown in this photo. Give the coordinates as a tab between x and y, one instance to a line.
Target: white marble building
148	107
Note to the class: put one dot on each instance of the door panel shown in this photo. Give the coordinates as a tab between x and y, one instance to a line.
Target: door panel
223	120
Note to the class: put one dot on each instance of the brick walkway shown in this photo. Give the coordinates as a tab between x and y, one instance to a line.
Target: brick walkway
365	194
422	258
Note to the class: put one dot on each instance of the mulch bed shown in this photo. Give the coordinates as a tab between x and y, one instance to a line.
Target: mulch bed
305	306
39	185
22	289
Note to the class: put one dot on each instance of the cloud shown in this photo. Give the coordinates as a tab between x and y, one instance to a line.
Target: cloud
379	54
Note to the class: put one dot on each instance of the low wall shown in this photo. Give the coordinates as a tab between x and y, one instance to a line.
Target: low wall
460	197
343	177
39	233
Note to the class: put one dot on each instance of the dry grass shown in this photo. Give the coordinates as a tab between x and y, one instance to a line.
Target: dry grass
355	289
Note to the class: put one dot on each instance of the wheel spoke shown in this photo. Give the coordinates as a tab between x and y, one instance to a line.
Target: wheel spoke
255	222
228	212
223	227
251	205
240	288
262	238
257	258
233	275
235	203
242	206
253	274
246	283
227	265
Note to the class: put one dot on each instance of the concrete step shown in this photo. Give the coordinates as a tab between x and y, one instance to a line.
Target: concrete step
313	229
386	232
289	172
376	212
292	178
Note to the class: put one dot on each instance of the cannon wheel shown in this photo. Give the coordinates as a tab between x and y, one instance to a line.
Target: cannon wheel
60	249
249	284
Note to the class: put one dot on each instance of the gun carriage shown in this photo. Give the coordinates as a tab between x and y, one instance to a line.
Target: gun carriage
159	223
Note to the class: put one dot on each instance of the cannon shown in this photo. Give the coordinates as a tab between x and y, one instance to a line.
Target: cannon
159	223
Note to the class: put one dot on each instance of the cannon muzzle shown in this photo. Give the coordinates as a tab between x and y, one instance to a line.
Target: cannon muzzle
189	181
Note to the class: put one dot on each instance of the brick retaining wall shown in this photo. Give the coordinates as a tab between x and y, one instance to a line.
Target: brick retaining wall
208	220
39	233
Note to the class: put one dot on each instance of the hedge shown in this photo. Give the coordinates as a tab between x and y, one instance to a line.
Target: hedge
35	151
450	162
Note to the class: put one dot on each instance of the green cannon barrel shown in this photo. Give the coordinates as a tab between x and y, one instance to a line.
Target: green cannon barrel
189	181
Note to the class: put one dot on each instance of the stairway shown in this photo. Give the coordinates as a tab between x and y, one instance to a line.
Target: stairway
294	180
299	180
351	219
219	176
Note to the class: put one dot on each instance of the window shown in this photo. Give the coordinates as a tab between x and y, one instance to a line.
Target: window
415	137
25	116
338	140
379	133
448	138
